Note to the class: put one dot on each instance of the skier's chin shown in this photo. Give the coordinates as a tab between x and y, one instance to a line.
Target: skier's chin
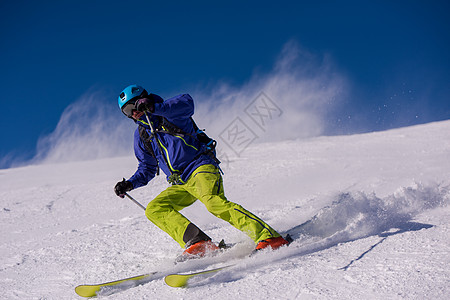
138	115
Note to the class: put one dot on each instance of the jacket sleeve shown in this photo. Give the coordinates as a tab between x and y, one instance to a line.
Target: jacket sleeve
147	167
178	108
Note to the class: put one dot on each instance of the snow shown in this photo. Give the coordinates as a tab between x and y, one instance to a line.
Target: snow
370	213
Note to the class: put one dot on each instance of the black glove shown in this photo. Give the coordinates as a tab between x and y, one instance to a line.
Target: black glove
145	104
122	187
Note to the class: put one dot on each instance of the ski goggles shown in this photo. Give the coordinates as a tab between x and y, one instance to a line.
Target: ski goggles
129	108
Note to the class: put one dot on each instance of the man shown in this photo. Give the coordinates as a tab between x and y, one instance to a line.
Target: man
170	142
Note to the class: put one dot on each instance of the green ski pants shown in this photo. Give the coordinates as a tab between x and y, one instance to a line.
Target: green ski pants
206	185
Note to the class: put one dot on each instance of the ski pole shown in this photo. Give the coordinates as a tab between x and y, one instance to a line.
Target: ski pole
137	203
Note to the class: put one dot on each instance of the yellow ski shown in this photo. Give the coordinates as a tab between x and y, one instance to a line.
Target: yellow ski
91	290
181	280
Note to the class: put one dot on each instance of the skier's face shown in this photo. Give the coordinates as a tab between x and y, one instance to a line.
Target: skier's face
130	111
137	114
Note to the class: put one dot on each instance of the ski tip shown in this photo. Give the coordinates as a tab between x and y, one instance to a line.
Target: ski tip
87	290
176	280
181	280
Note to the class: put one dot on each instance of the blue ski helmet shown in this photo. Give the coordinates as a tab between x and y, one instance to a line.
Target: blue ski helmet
131	92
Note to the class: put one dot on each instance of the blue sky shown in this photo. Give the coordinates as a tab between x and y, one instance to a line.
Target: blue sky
394	54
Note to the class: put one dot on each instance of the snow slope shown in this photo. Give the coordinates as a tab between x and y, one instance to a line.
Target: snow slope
370	213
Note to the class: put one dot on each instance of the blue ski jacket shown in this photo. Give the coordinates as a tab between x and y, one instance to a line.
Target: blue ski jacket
183	154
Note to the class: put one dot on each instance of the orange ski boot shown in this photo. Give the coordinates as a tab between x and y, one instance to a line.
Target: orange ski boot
199	249
273	243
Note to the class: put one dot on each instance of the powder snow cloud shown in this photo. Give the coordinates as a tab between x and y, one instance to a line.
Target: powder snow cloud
301	91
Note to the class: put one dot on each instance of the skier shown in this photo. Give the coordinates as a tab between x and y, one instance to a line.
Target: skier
193	172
